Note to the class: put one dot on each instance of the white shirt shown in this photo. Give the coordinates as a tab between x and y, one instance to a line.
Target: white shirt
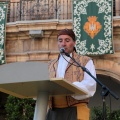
62	64
88	84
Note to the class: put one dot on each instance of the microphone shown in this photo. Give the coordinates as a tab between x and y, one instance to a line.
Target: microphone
62	50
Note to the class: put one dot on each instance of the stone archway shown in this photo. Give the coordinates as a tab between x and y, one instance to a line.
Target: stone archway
108	68
113	85
108	72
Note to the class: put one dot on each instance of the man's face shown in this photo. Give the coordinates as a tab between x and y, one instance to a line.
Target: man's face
66	42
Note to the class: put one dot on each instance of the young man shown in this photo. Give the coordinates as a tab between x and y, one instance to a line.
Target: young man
71	107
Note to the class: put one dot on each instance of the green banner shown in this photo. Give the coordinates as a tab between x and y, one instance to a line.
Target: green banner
92	24
3	12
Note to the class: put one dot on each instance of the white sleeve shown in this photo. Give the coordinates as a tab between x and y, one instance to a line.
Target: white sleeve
88	83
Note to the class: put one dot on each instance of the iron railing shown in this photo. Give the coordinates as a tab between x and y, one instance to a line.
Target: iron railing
39	10
45	9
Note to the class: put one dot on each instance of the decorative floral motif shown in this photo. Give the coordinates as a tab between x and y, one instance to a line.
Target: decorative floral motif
92	27
2	15
104	45
3	11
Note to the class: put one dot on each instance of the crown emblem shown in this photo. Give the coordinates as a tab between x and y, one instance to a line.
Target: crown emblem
92	27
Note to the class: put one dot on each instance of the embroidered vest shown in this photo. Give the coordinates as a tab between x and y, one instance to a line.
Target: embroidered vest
72	74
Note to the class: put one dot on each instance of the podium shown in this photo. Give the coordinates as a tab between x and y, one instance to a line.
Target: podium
31	80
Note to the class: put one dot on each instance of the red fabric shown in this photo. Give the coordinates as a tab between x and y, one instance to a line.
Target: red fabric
67	32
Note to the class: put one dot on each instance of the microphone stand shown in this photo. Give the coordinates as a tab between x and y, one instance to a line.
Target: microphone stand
105	90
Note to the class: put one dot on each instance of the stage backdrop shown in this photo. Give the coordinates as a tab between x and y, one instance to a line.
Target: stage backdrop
3	12
92	24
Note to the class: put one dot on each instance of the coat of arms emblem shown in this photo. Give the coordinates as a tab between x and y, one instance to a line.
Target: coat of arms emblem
92	27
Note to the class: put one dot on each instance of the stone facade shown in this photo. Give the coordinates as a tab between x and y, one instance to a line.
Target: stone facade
21	47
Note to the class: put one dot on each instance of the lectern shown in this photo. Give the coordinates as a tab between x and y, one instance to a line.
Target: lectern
31	80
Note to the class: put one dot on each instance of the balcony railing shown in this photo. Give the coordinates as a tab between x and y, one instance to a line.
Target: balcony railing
39	10
22	10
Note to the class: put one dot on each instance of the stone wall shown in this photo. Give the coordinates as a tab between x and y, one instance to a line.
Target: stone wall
21	47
